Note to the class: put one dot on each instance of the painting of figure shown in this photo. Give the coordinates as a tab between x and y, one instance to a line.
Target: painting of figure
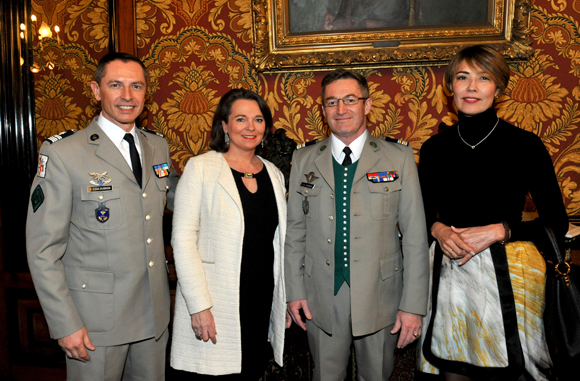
311	16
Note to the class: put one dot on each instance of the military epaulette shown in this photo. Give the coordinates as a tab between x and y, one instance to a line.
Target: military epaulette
57	137
398	141
306	144
151	132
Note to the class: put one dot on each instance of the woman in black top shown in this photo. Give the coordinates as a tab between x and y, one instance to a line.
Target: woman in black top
488	279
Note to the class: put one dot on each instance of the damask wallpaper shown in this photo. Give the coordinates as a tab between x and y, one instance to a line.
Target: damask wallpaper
196	50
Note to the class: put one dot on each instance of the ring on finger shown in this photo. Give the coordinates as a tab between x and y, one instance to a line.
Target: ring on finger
416	335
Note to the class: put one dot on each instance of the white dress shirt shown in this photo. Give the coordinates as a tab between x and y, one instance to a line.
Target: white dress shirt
356	147
117	135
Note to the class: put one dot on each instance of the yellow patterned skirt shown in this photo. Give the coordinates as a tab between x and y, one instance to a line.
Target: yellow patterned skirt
486	321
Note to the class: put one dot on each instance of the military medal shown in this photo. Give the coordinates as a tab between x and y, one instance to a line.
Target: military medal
102	213
161	170
305	205
383	177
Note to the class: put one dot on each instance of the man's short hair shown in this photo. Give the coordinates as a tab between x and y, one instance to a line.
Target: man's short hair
110	57
339	74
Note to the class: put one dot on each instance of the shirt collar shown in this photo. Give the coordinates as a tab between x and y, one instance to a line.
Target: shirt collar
114	132
356	146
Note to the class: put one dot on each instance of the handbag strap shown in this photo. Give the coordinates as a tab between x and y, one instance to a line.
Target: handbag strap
560	265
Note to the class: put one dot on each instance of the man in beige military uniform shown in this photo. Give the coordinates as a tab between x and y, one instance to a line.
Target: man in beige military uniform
94	235
349	197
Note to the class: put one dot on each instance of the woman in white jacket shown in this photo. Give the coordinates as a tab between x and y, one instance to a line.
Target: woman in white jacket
229	226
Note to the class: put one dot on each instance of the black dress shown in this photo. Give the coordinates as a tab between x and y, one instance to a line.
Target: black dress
256	280
257	273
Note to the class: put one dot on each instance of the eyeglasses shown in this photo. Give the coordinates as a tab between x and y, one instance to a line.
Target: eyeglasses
347	101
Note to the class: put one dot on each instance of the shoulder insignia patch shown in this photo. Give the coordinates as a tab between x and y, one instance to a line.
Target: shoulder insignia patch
151	132
306	144
37	198
398	141
57	137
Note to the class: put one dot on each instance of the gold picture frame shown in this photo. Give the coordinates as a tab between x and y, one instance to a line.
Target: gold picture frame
278	49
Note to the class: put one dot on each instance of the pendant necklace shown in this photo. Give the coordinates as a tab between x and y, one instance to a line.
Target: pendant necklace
481	141
248	175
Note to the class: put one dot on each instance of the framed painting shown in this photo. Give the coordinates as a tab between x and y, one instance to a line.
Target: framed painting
298	35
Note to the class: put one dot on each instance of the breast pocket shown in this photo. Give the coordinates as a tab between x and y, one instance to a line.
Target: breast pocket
384	199
310	202
103	210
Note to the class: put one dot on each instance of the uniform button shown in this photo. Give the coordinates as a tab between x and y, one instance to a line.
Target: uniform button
149	241
147	217
84	285
151	263
101	197
345	265
306	191
328	263
167	187
386	189
396	269
303	265
331	195
329	240
331	218
144	195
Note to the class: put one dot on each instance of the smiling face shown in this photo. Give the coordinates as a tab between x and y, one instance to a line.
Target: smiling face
246	125
473	89
346	122
121	92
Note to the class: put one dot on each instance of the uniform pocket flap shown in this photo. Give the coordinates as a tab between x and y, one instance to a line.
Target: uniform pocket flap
100	194
385	188
78	279
390	266
309	192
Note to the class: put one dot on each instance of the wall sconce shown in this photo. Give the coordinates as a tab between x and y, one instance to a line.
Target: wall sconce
44	32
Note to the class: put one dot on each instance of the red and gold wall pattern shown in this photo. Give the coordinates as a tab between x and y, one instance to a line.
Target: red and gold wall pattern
196	50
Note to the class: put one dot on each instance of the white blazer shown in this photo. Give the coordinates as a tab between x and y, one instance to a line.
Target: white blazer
208	231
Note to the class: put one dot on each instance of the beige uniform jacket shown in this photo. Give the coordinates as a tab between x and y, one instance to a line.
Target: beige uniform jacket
383	278
110	276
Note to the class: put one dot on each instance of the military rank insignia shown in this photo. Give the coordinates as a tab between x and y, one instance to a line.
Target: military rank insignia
383	177
42	162
161	170
99	179
37	198
102	213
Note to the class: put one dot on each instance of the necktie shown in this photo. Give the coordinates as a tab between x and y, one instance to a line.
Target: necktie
135	160
347	160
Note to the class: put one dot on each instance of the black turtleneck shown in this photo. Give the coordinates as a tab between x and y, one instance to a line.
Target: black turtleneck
465	187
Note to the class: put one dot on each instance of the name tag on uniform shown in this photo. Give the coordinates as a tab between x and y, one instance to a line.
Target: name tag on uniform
307	185
383	177
107	188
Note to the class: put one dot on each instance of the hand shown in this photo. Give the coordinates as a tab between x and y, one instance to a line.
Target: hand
288	319
479	238
75	345
203	326
294	310
410	327
450	241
